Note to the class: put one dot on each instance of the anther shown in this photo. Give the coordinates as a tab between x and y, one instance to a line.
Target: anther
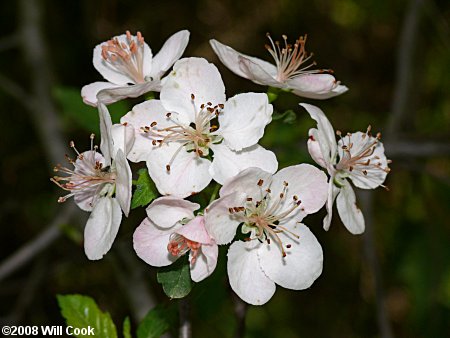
260	182
192	97
168	167
154	123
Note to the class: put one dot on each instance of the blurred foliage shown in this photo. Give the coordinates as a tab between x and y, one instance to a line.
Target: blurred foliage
359	41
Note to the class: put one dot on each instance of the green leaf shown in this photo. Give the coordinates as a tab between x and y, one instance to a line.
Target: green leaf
145	190
176	278
85	116
126	328
157	322
288	116
82	311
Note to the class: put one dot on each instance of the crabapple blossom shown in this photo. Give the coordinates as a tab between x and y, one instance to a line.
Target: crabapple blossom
176	133
292	69
127	63
357	156
268	209
170	231
100	185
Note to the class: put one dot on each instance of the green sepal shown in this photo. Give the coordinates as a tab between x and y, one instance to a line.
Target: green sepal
145	190
176	278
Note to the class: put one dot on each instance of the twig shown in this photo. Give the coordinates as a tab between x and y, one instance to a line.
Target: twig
240	311
365	197
185	323
404	67
44	112
31	249
128	272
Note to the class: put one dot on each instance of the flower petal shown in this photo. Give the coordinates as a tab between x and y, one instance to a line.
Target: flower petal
316	86
259	72
192	76
106	142
247	279
220	224
166	211
170	52
243	120
314	148
252	182
228	163
205	263
111	95
109	72
102	227
123	137
302	264
123	182
143	115
84	166
333	191
150	243
90	91
231	59
325	133
350	214
188	173
306	182
195	231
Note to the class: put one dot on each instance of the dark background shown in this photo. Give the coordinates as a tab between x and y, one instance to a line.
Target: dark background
395	58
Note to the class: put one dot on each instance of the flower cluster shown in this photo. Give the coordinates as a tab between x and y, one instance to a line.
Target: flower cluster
193	140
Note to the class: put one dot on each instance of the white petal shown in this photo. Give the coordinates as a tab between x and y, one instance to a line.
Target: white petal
192	76
106	142
111	95
306	182
143	115
261	73
102	227
123	182
205	263
228	163
325	133
350	214
85	166
109	72
316	86
302	264
314	148
374	176
170	52
195	231
231	59
150	244
333	191
90	91
220	224
243	119
252	182
247	279
123	137
167	210
188	173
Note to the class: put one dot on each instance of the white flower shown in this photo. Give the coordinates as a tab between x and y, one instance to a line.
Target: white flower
289	72
359	157
278	249
99	185
126	62
170	231
175	134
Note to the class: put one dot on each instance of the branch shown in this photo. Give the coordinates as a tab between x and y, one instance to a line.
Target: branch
31	249
43	112
240	311
404	67
416	148
185	323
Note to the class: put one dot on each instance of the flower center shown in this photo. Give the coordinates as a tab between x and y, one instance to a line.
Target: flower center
89	175
290	59
127	58
261	218
196	136
362	161
179	245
